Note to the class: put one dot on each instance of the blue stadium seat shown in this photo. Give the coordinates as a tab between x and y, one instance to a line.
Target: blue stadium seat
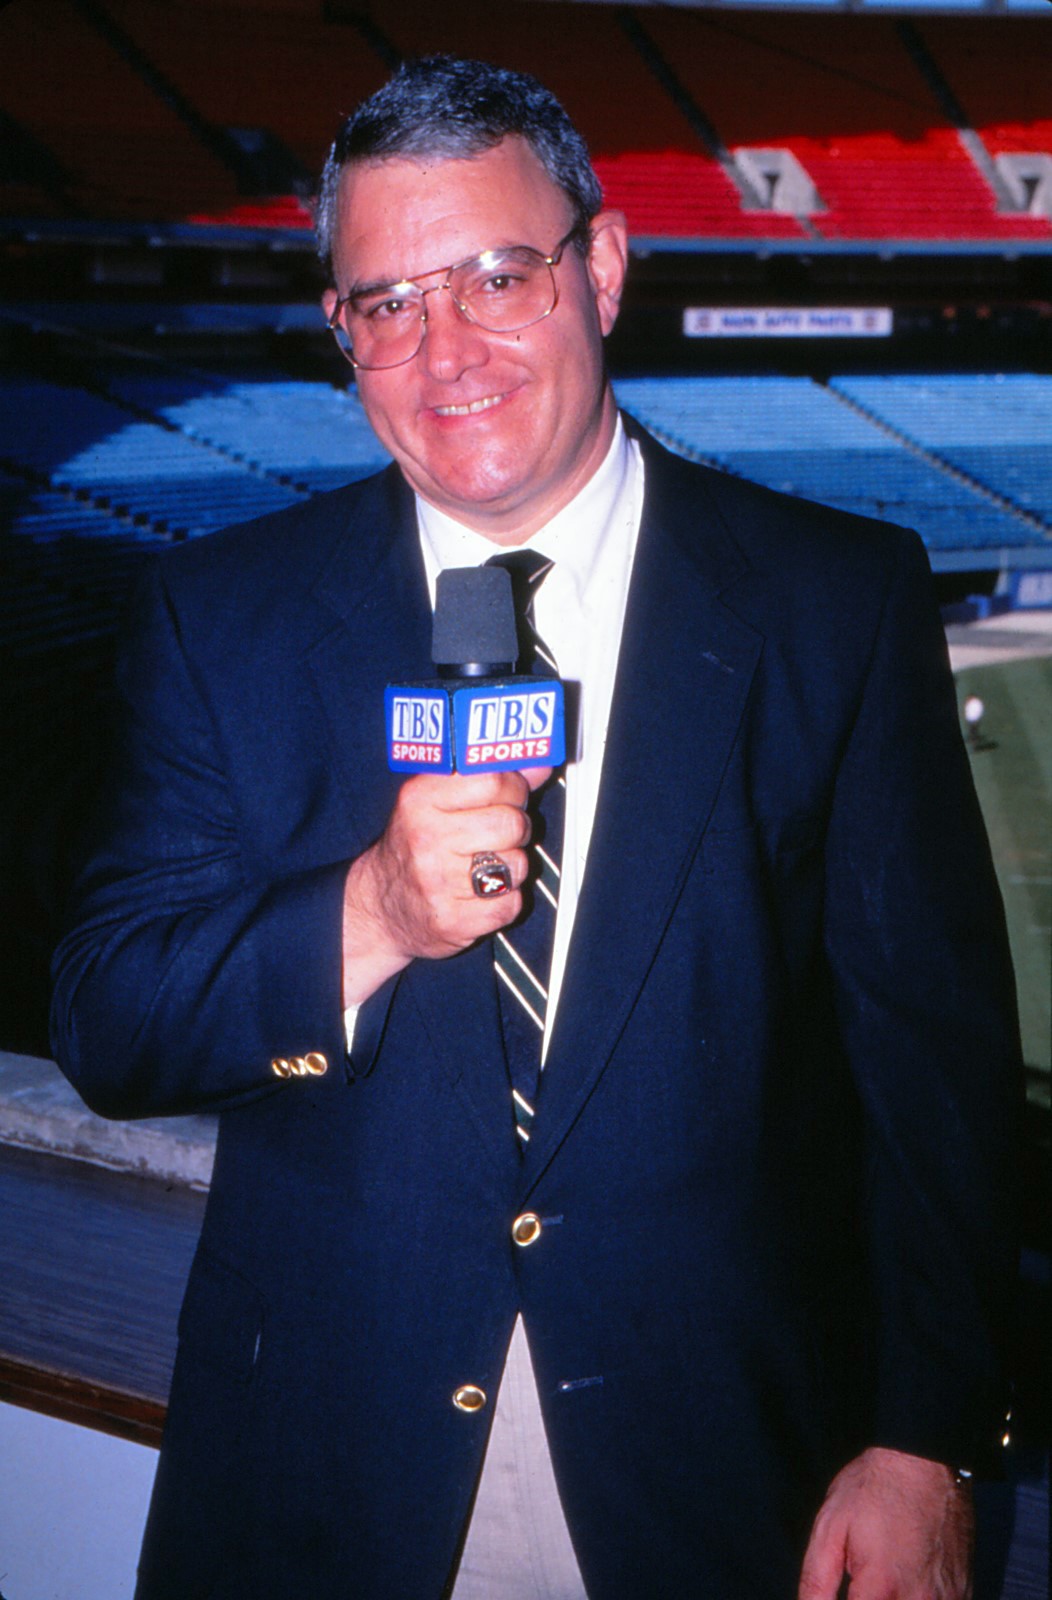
830	444
994	427
309	433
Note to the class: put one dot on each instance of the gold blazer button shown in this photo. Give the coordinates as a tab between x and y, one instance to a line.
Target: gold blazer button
469	1397
526	1229
280	1067
315	1063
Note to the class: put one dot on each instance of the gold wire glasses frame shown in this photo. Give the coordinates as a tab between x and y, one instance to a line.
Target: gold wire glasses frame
500	291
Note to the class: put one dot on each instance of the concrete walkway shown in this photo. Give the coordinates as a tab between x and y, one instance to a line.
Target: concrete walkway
39	1110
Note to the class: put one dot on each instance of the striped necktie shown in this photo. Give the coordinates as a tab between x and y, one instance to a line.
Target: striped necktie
522	954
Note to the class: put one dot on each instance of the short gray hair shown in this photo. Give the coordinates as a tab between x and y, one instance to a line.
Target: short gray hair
444	108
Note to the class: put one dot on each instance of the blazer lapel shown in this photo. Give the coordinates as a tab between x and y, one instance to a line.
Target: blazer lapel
685	667
377	630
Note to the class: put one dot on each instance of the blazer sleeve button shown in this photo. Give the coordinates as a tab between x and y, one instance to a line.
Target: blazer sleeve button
298	1066
316	1063
469	1397
280	1067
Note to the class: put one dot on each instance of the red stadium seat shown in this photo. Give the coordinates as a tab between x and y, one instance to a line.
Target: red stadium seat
842	93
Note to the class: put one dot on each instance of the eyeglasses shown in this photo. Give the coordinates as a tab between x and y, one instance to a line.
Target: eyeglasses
500	291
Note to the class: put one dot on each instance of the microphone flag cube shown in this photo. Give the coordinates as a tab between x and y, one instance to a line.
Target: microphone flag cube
475	725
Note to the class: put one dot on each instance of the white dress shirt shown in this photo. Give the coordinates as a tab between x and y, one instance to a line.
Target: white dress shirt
518	1546
579	612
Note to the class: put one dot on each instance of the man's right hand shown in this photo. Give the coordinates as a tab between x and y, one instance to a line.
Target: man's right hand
410	893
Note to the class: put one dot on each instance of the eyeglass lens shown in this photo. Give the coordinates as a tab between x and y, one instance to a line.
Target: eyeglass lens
499	290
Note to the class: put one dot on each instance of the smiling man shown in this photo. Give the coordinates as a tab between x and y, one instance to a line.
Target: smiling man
511	427
612	1188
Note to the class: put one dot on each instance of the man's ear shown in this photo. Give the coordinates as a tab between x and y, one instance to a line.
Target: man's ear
607	264
328	303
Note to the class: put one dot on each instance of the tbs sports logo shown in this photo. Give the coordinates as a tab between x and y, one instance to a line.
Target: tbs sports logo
506	727
482	727
418	731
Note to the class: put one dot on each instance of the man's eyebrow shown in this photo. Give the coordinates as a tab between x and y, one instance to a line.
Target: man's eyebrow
358	289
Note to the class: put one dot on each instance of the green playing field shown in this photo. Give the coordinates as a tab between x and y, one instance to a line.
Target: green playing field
1012	764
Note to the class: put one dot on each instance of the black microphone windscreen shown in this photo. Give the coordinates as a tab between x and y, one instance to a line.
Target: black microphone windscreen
474	617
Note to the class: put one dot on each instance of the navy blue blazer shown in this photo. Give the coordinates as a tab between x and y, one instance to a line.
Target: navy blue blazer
773	1150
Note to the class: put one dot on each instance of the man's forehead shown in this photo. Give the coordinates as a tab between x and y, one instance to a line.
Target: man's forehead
403	216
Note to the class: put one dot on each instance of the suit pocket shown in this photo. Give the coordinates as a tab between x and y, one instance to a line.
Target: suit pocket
222	1319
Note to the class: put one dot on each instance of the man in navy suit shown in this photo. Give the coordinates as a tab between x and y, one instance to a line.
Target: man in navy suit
729	1321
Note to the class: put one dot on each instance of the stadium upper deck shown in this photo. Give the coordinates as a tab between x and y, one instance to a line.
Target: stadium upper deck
705	125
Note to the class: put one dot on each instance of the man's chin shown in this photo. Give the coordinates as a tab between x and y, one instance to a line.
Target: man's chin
475	498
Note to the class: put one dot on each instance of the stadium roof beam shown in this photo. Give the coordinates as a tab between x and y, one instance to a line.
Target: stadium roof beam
258	161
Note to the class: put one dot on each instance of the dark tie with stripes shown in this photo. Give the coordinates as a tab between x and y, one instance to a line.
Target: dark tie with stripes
522	954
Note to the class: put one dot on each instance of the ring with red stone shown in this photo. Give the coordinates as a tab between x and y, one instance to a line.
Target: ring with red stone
490	875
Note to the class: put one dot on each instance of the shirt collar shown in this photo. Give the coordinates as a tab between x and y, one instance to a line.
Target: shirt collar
573	539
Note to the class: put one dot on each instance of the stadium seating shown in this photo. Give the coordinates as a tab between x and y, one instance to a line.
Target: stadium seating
307	437
852	106
278	67
673	194
995	427
799	436
125	152
1000	76
876	186
664	94
95	478
138	469
97	473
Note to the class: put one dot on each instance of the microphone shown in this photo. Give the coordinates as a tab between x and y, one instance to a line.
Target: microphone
480	715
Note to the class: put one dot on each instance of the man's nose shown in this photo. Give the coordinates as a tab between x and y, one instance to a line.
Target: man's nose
452	344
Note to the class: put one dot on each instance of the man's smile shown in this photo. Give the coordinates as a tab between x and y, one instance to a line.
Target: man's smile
471	408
